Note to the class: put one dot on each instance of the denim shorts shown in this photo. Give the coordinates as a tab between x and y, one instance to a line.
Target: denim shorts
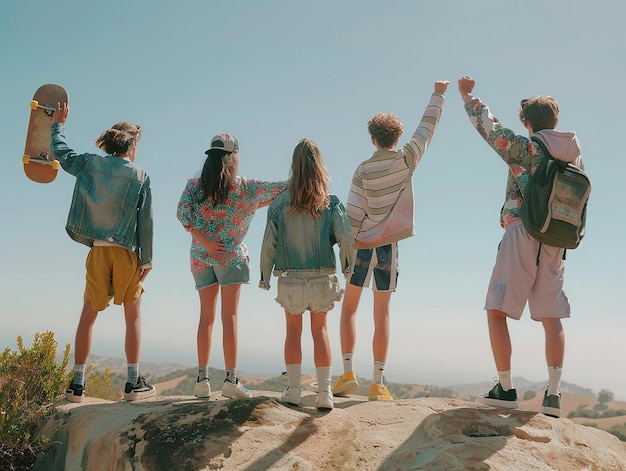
379	265
317	294
224	275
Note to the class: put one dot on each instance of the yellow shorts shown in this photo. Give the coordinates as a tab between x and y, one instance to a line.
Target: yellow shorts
112	272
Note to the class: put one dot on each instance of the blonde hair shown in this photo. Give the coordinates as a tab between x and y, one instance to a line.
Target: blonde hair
119	138
309	179
386	128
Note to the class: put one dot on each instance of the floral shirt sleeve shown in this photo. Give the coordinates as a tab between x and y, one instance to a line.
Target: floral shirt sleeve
518	152
226	223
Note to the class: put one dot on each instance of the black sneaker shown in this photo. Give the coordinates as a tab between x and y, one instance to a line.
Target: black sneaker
75	392
141	390
551	405
498	397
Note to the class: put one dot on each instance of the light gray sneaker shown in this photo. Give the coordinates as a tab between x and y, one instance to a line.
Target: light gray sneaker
203	388
291	396
325	400
235	390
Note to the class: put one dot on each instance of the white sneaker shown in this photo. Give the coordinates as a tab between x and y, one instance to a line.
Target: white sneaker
291	396
325	400
235	390
203	388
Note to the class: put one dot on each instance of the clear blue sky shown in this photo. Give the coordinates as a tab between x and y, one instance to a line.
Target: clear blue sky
274	72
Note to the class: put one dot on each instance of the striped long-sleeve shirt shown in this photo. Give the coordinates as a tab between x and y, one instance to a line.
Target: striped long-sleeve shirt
377	182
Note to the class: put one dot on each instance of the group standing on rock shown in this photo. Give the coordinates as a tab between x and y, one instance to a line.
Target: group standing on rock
111	212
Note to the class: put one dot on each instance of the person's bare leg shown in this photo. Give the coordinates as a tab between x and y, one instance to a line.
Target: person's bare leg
349	306
321	344
230	303
555	342
500	339
293	339
208	306
380	342
132	317
82	342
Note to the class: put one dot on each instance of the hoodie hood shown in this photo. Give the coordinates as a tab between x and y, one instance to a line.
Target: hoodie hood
563	145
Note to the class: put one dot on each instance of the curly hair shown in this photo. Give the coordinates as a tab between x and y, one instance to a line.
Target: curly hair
309	179
541	112
386	128
119	139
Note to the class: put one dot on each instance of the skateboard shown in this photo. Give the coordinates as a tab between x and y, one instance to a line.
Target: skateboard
39	164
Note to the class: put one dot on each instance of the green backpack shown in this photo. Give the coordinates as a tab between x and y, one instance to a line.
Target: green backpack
554	204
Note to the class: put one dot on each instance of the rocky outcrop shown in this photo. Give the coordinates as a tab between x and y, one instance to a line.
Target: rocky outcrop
183	433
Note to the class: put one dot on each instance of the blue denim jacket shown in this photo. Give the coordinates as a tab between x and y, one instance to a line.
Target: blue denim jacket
112	199
302	245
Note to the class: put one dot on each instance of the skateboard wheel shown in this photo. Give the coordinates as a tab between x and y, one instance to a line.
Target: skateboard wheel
34	104
55	164
26	159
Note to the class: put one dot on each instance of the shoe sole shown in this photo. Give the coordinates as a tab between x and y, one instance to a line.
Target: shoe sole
235	393
73	398
138	396
500	403
551	412
379	398
346	388
325	406
284	401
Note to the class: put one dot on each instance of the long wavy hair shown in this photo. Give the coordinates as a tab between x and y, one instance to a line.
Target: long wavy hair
218	174
309	179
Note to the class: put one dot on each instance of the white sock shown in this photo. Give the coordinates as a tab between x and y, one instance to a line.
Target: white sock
347	362
79	374
293	375
133	373
554	380
505	379
379	369
231	375
323	378
203	372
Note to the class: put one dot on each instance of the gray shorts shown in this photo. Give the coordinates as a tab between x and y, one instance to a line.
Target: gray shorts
516	277
317	294
224	275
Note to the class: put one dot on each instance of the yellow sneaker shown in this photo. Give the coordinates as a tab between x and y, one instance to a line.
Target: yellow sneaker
346	384
379	392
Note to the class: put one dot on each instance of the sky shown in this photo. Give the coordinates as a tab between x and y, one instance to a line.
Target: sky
274	72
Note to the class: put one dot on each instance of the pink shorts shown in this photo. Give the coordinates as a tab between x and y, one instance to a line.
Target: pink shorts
517	278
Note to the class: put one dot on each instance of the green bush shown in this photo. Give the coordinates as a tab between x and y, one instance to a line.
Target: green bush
30	380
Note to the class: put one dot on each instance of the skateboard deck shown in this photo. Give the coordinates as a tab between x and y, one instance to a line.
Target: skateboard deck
39	164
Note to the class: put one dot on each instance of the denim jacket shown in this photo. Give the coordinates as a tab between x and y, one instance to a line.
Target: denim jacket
301	245
112	200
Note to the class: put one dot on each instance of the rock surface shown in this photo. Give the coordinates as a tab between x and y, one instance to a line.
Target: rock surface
183	433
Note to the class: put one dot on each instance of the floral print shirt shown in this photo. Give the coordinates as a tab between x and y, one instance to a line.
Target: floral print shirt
519	153
224	223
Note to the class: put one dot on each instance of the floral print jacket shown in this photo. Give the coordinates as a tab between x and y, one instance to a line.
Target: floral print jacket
520	153
224	223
